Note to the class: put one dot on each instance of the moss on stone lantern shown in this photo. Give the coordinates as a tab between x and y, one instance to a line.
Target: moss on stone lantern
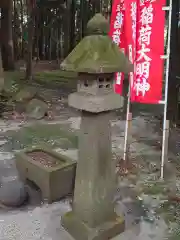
98	24
96	53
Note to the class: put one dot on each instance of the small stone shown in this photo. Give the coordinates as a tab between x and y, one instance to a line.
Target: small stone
13	193
36	109
25	94
50	116
153	167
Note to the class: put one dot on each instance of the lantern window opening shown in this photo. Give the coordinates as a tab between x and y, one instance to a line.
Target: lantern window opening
108	85
86	83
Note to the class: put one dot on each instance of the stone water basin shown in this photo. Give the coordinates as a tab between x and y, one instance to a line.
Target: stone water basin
52	172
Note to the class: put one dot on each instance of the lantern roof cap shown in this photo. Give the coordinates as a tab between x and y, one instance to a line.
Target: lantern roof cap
97	25
97	53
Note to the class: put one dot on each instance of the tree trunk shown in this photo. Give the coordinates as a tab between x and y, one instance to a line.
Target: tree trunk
22	29
31	29
72	30
50	44
7	41
84	17
67	27
5	3
96	7
16	33
1	74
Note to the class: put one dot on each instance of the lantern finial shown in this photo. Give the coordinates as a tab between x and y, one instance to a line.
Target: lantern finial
97	25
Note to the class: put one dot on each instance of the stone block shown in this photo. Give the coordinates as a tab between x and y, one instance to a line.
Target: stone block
52	172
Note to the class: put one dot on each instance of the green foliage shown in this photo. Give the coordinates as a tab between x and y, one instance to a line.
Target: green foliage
15	80
153	189
56	76
53	134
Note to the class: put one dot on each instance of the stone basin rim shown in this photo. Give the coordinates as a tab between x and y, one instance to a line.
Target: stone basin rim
65	160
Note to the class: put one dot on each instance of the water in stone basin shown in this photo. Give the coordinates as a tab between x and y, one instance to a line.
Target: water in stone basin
44	158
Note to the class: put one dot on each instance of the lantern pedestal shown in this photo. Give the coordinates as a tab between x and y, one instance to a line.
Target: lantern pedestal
81	231
93	216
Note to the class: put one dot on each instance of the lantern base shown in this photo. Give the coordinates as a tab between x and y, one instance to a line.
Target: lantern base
81	231
95	104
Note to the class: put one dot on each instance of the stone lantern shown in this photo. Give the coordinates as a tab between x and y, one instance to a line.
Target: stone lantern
96	58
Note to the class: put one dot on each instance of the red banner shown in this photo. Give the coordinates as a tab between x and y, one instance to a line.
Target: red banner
118	36
147	87
130	32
